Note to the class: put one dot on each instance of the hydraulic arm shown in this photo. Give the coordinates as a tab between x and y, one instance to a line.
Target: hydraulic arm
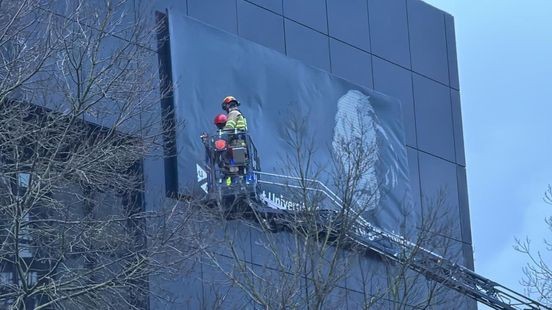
443	271
233	175
366	236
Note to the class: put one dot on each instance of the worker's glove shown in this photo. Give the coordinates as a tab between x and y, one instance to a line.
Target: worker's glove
204	137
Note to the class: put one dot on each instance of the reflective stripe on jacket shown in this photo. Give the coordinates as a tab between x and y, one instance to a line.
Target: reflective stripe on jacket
236	121
241	123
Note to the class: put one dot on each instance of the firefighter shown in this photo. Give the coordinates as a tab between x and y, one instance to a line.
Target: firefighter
236	120
220	121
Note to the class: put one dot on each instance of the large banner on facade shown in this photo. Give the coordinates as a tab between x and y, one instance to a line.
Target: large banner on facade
304	122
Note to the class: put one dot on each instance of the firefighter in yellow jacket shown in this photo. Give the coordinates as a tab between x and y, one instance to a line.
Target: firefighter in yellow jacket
236	120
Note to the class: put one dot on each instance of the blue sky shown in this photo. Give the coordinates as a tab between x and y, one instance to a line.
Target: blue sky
505	64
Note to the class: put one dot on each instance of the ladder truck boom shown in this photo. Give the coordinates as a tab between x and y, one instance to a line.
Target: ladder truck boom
367	237
443	271
233	174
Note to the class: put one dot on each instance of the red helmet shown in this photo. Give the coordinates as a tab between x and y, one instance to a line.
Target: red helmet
220	120
229	102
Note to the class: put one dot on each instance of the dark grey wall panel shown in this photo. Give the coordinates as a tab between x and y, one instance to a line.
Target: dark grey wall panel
411	209
154	182
219	13
181	7
414	175
311	13
465	216
348	21
275	250
397	82
366	274
182	289
230	238
428	44
261	26
451	48
389	30
334	299
219	292
273	5
435	175
356	300
438	181
351	63
433	117
281	290
307	45
458	129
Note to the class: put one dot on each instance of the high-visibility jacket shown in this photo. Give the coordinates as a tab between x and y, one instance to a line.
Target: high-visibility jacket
236	120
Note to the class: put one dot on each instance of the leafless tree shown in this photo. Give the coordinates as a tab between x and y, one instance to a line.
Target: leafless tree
538	272
311	262
78	107
78	115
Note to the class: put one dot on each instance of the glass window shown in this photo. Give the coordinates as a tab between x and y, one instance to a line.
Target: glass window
23	179
6	278
25	239
32	278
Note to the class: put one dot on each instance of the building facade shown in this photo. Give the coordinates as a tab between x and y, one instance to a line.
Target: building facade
401	48
397	57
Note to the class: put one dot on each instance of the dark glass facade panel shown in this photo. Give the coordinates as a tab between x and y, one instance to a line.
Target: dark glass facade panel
188	279
281	290
348	21
219	13
219	292
438	181
389	30
273	5
325	265
232	238
414	175
458	129
307	45
351	63
266	246
365	273
451	48
428	44
154	181
334	299
433	118
412	210
465	216
291	292
311	13
356	300
174	6
397	82
261	26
